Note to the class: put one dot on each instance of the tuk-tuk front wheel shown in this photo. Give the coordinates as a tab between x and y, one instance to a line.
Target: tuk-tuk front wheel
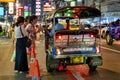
48	59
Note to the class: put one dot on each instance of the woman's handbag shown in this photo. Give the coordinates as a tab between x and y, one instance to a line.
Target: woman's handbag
27	40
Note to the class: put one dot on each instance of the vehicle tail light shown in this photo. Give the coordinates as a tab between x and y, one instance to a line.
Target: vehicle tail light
59	37
91	35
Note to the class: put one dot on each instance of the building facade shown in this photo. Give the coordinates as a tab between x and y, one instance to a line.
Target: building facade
110	9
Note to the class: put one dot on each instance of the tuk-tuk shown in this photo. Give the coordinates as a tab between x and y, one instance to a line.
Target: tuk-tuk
75	44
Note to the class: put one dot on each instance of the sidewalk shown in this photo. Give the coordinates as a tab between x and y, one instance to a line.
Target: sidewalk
7	67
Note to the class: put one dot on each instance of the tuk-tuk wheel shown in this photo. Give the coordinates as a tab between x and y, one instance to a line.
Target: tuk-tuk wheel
92	68
48	58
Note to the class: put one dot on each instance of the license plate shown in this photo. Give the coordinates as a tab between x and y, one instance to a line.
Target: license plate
77	60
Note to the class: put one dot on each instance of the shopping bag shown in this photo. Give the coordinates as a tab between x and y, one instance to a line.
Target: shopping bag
13	56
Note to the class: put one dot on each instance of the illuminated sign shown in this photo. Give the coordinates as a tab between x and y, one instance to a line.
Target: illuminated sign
47	9
27	13
47	4
20	11
11	8
25	8
38	13
1	11
38	10
38	7
7	0
37	0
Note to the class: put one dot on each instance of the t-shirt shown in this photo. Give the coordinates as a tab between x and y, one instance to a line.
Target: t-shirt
18	33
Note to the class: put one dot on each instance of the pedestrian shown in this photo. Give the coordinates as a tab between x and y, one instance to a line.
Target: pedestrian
31	31
21	63
26	21
13	34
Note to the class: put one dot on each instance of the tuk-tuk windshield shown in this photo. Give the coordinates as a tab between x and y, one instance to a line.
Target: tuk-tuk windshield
73	23
72	15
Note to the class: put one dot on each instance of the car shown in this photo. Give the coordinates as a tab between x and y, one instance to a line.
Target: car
113	32
103	31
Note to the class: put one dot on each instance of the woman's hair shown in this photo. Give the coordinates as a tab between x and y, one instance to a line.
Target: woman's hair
33	17
27	18
20	19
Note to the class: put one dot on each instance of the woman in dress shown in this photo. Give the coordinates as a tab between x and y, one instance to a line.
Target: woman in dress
21	63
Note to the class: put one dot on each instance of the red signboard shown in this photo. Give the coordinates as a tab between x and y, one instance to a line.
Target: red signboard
20	11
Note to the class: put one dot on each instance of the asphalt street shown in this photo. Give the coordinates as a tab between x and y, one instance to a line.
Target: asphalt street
110	70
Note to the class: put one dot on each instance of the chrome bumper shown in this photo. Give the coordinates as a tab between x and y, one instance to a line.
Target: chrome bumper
75	55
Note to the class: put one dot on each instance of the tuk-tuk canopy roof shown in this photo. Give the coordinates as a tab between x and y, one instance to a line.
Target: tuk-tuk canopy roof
77	12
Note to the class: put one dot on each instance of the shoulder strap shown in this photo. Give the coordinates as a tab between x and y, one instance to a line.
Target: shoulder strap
21	31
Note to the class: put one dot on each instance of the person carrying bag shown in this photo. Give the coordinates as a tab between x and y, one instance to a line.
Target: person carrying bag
27	40
21	62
